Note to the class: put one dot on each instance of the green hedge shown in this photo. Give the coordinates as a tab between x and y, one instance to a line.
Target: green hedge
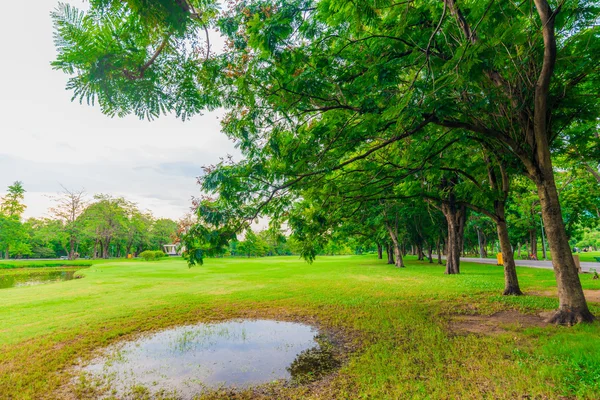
43	264
151	255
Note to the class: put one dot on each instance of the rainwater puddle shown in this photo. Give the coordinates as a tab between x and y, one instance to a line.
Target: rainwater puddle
8	280
189	360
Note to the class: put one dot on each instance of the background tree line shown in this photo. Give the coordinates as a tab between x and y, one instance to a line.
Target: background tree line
103	227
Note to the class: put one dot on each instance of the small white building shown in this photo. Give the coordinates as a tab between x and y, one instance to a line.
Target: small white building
171	249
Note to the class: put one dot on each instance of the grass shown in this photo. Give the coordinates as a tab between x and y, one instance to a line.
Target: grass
398	318
589	256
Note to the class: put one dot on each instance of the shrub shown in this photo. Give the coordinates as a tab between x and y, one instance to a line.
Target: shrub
151	255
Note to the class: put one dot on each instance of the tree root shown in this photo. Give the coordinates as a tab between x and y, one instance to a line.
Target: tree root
570	318
512	291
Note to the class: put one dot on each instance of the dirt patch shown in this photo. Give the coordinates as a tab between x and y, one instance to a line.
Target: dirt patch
590	295
495	324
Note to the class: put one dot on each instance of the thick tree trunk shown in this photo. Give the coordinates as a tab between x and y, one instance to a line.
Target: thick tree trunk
379	251
420	252
572	304
511	283
399	259
390	254
105	249
396	245
456	218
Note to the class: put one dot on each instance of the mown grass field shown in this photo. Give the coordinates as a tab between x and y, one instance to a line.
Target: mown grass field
399	320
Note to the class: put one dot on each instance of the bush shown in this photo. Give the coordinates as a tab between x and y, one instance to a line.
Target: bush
151	255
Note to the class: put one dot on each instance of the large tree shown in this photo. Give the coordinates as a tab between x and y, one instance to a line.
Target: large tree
314	86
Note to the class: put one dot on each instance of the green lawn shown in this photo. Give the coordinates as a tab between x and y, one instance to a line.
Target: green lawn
589	256
398	320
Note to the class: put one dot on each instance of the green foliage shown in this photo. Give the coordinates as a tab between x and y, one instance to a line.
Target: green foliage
152	255
13	235
12	204
140	57
42	264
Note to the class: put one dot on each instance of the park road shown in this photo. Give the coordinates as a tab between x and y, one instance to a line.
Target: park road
585	266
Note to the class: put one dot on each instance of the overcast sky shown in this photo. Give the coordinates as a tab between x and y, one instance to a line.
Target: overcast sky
45	140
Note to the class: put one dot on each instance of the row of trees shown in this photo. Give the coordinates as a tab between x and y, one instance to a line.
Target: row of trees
367	116
104	227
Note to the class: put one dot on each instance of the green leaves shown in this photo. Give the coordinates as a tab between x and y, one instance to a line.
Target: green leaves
127	64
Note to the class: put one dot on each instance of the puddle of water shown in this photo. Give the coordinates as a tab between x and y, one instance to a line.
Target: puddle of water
188	360
33	278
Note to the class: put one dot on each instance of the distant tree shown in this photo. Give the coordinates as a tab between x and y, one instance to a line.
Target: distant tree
12	232
252	245
69	205
105	220
47	237
137	229
163	231
12	204
275	240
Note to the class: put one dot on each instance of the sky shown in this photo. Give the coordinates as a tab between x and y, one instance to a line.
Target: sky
47	141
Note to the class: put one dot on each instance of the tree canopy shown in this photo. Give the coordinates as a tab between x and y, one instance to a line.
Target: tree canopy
363	102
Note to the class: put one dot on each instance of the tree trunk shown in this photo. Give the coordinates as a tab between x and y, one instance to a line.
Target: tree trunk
390	255
71	248
511	282
572	304
105	249
533	241
379	252
396	245
519	249
456	218
544	255
419	252
430	253
439	252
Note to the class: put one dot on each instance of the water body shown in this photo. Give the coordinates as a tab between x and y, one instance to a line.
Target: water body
16	279
236	354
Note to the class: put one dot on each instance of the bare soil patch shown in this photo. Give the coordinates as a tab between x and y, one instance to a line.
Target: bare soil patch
590	295
495	324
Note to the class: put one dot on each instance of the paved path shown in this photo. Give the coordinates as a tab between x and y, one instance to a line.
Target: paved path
585	266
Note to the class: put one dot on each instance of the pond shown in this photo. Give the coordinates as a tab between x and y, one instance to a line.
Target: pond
35	277
188	360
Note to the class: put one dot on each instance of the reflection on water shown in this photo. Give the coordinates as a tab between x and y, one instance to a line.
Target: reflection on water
8	280
189	359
